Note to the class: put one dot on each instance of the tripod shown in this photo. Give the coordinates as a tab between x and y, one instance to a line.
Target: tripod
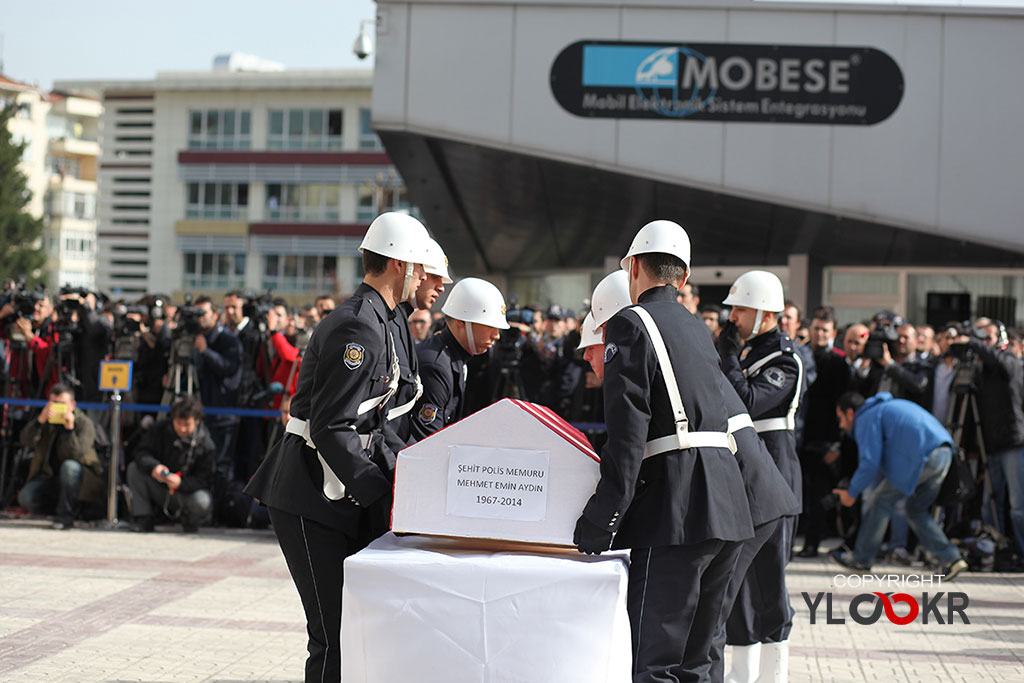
181	371
62	357
965	398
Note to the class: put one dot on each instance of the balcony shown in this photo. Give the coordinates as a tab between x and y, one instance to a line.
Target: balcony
74	147
71	184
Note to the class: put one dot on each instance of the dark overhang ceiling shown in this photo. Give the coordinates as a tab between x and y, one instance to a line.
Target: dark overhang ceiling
496	211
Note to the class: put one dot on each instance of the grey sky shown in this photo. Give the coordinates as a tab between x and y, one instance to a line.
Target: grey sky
48	40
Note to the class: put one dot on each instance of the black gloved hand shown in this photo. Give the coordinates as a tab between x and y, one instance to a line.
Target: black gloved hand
590	538
729	343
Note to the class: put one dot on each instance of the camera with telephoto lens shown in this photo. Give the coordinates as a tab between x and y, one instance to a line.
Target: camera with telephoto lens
257	307
24	303
188	318
830	501
874	347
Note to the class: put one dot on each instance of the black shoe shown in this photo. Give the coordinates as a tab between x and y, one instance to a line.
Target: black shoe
807	551
143	524
954	569
62	525
845	558
190	527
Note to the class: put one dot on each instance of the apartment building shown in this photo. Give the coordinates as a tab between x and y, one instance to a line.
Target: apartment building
259	179
60	163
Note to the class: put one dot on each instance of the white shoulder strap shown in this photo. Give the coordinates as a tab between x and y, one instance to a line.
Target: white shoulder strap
675	400
756	367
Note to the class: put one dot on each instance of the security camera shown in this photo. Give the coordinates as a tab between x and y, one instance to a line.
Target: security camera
363	47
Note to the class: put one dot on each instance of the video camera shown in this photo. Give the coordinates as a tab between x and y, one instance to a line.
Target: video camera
188	318
24	302
257	306
884	334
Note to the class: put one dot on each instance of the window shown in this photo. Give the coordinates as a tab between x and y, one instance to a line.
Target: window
310	203
215	271
219	129
305	129
65	167
393	197
367	138
78	245
224	201
310	273
72	205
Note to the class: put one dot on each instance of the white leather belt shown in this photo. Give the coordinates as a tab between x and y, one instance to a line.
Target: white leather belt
334	489
741	421
774	424
680	442
683	438
399	411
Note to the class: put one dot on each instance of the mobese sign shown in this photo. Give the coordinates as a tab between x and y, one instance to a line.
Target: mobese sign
727	82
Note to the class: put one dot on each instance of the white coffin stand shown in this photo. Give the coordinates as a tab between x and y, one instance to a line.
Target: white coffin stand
427	609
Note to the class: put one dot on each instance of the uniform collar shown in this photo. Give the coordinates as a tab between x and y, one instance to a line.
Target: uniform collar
659	293
376	300
764	337
453	345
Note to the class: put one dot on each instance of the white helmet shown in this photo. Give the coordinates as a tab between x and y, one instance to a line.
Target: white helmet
757	289
476	301
610	296
438	264
663	237
398	236
590	334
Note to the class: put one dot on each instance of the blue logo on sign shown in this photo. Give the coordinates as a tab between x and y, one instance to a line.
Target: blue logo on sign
654	73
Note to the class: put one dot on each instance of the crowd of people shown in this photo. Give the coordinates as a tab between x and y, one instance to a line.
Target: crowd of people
292	418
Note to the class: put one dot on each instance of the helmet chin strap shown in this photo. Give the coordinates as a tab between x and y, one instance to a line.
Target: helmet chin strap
469	338
757	323
407	288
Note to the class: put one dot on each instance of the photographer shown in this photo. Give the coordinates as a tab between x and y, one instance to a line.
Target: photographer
906	374
285	357
77	312
1000	394
152	349
65	469
219	369
31	328
172	470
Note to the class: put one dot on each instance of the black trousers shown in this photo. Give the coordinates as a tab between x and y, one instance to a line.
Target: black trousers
748	551
675	600
315	554
761	611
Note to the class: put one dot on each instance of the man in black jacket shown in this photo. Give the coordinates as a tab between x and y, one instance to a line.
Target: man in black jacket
328	481
172	470
410	386
219	369
670	487
474	315
767	373
1000	394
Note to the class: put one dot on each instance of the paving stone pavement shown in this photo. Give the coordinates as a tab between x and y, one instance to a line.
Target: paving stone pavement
91	605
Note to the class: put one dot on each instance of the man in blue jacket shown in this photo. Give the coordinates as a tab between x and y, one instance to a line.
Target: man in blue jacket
904	452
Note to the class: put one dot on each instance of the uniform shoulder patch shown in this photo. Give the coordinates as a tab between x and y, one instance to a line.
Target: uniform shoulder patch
775	376
353	355
610	349
427	413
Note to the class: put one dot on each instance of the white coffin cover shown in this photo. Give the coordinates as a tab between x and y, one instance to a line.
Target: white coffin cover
528	475
423	609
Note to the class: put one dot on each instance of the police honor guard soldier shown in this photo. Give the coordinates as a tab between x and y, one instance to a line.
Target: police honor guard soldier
670	487
410	386
768	376
474	314
328	482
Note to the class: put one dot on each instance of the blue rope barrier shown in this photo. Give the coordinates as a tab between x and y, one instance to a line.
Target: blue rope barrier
211	410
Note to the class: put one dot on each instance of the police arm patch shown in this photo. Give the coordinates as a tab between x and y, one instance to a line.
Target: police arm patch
776	377
353	355
610	349
427	413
